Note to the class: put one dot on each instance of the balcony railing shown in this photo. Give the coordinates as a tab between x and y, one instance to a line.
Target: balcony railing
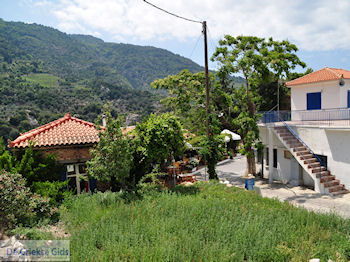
324	117
275	116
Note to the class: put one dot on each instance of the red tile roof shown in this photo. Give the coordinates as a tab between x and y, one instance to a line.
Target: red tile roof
67	130
325	74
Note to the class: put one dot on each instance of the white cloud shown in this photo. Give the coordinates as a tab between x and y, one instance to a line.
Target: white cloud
312	25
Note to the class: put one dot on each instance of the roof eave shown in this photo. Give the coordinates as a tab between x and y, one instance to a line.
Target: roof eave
308	83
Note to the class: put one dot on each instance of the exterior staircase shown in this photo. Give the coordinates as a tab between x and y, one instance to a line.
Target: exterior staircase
325	182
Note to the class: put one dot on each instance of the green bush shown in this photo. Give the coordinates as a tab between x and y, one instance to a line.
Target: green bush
15	203
55	191
151	183
18	205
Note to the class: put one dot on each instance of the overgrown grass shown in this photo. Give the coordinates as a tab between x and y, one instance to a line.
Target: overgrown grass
32	233
46	80
207	223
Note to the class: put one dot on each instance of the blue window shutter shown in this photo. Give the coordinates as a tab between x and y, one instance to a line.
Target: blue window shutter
313	101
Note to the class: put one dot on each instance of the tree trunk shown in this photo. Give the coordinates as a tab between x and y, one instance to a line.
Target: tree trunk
250	154
251	163
211	170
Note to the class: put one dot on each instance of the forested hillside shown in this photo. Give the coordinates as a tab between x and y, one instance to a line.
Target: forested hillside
45	73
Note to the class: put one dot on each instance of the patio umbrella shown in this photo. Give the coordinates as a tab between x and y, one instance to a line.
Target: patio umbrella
233	135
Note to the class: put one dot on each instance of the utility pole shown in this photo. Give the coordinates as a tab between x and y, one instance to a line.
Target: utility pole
278	96
206	69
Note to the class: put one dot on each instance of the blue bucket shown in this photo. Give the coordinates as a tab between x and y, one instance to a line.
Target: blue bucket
249	183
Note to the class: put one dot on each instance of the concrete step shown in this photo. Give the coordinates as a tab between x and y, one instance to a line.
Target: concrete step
313	165
286	135
293	139
304	157
335	188
300	148
327	178
337	193
286	131
294	144
301	153
318	169
283	133
310	160
322	174
331	183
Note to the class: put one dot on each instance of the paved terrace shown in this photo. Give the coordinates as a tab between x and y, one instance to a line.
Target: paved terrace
230	172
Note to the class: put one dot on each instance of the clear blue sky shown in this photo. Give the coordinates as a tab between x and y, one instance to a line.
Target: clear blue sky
321	29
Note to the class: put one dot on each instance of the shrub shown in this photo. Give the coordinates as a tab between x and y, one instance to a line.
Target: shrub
152	182
18	205
55	191
112	157
15	203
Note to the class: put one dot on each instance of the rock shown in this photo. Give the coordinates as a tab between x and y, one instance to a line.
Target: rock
12	243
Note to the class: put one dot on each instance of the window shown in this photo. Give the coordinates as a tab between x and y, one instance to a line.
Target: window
313	101
267	156
275	158
348	98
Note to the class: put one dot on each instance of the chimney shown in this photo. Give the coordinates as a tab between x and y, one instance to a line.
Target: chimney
104	120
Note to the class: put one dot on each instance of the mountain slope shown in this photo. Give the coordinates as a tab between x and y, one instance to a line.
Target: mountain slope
85	57
45	73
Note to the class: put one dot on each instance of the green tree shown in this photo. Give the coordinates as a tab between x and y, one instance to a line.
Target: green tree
161	138
26	166
112	157
7	161
187	101
241	55
256	59
186	98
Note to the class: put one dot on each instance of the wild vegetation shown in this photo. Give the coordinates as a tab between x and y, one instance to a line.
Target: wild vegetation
18	205
123	159
205	222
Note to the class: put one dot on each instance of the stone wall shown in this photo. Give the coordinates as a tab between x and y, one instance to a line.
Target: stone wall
69	154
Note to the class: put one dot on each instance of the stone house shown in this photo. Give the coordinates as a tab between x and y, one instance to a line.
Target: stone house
70	140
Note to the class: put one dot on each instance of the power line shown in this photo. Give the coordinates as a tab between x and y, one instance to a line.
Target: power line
195	46
211	39
212	44
178	16
206	69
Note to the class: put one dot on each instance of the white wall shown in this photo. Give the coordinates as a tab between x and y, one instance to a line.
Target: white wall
344	93
333	143
286	170
330	94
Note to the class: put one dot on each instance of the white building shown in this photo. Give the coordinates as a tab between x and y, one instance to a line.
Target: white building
311	144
